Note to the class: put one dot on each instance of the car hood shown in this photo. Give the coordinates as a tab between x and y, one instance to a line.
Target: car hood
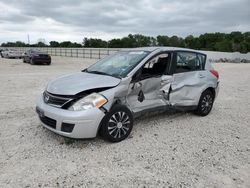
75	83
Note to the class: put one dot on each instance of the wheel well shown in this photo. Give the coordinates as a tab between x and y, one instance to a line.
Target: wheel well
212	90
116	102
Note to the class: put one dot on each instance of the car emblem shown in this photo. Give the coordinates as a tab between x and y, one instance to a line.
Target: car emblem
46	98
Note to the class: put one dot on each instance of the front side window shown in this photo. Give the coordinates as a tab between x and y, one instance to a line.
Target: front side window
156	66
187	61
118	64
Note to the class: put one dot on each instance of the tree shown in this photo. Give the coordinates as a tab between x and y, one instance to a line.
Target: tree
174	41
94	43
162	40
223	46
41	44
115	43
192	42
234	41
68	44
54	44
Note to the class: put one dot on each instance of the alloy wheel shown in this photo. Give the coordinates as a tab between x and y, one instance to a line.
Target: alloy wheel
119	125
206	103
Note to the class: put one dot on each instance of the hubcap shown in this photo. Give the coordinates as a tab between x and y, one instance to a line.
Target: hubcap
206	103
118	125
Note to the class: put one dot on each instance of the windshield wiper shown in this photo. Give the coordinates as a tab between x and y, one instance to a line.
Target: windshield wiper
102	73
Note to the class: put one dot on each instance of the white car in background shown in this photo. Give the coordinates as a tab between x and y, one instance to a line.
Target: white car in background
11	53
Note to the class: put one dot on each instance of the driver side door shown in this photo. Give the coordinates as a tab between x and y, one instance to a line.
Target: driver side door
149	87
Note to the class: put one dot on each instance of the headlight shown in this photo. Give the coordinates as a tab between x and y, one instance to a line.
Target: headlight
88	102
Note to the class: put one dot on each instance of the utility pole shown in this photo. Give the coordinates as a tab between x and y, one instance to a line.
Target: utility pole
28	39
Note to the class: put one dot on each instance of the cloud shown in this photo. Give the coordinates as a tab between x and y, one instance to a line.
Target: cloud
73	20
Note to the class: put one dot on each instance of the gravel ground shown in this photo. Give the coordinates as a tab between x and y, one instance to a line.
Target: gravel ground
165	150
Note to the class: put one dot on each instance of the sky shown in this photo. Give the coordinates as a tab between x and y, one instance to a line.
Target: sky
64	20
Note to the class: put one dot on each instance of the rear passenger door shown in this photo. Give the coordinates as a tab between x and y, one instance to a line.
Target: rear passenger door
189	78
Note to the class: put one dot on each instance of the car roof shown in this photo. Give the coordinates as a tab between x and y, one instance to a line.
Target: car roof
164	48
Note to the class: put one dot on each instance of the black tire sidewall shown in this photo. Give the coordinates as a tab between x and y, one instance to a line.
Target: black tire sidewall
104	123
199	110
31	62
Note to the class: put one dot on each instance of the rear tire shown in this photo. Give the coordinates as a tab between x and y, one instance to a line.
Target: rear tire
117	124
205	103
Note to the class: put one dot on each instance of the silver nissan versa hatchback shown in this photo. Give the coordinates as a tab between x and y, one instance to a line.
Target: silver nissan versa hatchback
107	96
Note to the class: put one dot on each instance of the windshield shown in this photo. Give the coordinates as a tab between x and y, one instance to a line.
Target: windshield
118	64
34	51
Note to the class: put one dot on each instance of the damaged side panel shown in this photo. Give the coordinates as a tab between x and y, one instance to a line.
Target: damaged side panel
187	87
116	94
166	82
149	93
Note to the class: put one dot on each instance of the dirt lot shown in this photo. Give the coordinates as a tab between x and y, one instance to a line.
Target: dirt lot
166	150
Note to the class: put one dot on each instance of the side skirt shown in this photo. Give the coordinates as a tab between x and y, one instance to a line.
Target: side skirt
161	109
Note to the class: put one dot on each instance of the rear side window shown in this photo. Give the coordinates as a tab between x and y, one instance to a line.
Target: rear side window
188	61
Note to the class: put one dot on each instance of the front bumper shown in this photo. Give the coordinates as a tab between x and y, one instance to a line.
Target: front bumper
73	124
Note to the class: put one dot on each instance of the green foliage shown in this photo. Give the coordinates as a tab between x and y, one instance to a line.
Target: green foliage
232	42
41	44
54	44
94	43
68	44
14	44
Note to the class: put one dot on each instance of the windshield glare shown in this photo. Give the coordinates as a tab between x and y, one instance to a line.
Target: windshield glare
118	64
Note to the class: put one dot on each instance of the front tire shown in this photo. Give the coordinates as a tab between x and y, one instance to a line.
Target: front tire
117	124
31	61
205	104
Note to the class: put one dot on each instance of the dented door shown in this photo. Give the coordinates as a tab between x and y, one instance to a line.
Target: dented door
186	87
188	81
149	93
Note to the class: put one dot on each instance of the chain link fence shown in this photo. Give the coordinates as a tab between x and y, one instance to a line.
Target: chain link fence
98	53
90	53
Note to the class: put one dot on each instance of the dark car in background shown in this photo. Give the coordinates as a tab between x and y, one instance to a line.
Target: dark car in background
36	57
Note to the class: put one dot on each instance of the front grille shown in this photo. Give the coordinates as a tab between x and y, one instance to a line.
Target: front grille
54	100
48	121
67	127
